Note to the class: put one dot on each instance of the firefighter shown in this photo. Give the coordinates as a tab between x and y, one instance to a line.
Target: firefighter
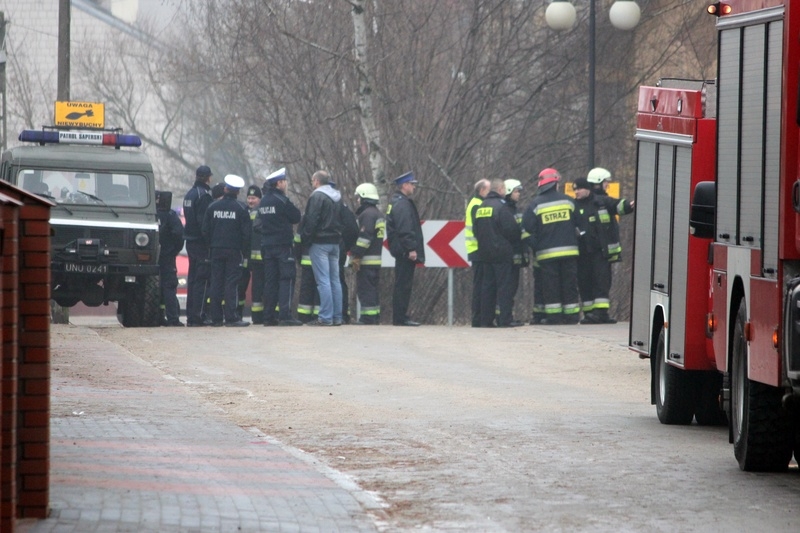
227	228
276	217
307	295
551	222
254	272
170	238
406	244
498	235
594	271
479	194
520	259
365	255
608	208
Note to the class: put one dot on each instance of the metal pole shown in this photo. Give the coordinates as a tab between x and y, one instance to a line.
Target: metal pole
449	296
63	49
592	19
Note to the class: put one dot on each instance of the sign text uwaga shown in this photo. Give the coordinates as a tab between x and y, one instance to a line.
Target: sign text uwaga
80	114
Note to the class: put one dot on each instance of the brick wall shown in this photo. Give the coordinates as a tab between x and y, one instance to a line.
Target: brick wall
8	399
25	356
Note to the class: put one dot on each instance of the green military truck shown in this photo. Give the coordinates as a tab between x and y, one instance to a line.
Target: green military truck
104	232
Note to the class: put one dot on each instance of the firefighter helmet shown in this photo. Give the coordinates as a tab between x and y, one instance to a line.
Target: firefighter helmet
511	185
368	191
548	178
598	175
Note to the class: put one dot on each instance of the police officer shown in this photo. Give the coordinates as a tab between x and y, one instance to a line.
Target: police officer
406	244
365	255
479	193
551	222
170	238
195	203
498	235
276	218
255	266
227	227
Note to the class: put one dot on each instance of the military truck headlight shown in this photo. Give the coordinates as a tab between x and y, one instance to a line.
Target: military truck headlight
142	239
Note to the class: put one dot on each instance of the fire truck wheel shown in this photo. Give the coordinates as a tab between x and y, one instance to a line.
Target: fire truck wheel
674	389
762	437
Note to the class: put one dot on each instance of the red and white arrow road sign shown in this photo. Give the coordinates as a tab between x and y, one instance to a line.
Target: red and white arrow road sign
444	245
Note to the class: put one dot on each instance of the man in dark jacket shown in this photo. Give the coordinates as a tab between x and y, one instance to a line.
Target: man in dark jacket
365	256
227	228
170	238
195	204
406	244
254	271
321	228
498	236
551	222
276	218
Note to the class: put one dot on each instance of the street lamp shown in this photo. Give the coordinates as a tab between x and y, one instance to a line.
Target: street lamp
560	15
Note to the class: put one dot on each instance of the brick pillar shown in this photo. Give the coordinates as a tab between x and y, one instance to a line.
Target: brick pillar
33	423
8	393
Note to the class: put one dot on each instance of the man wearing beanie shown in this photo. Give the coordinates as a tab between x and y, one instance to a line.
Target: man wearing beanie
254	267
195	203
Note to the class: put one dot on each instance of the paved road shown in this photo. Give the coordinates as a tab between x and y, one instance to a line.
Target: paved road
461	429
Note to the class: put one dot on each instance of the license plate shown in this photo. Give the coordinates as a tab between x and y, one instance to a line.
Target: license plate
85	269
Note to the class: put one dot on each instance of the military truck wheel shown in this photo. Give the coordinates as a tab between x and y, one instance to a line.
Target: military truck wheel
707	408
140	308
762	437
674	388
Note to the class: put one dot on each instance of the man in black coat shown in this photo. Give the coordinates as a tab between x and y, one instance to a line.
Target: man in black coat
275	222
406	244
227	228
195	203
498	236
170	238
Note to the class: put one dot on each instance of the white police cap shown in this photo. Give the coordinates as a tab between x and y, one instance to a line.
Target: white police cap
278	175
233	181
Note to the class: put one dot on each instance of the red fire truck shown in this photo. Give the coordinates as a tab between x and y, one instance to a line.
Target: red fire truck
716	282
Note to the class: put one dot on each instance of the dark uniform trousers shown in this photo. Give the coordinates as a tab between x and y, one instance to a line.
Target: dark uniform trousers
307	296
401	296
196	280
169	285
343	283
279	274
594	280
477	286
255	273
559	290
226	270
538	295
497	290
368	281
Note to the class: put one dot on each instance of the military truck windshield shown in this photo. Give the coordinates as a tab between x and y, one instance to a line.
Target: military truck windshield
70	187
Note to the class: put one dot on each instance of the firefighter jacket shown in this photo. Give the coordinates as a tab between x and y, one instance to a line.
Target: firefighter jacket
371	229
608	209
321	223
195	204
170	236
550	219
469	235
227	224
255	238
591	237
276	217
403	228
520	258
496	229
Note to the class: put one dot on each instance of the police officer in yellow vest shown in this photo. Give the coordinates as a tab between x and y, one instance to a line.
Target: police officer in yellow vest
479	193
